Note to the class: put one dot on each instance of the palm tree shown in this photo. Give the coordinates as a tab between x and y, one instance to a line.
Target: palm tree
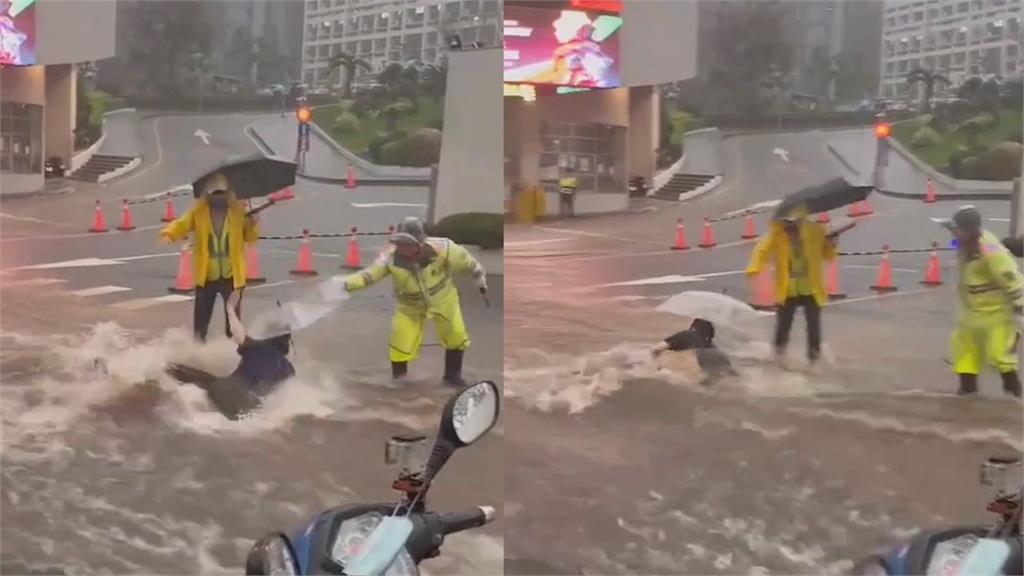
929	78
399	82
350	64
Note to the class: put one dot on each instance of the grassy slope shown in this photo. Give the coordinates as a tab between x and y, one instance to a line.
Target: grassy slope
938	156
357	142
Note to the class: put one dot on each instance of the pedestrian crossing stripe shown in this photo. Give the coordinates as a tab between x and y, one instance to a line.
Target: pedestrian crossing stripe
141	303
34	282
100	290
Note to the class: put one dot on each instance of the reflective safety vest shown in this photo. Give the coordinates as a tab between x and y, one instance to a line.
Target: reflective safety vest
220	256
568	185
990	283
799	281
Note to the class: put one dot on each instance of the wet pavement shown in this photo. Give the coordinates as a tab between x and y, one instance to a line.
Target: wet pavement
766	472
128	472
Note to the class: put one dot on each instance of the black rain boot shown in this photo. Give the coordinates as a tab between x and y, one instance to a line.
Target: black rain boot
453	368
968	385
1011	383
399	370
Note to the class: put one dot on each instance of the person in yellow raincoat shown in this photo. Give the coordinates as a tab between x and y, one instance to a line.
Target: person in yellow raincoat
221	230
799	248
991	290
422	270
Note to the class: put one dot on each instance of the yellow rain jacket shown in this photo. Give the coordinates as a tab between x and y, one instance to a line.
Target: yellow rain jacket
775	246
241	231
990	287
425	289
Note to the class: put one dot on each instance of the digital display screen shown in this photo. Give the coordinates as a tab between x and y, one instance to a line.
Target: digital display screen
17	32
573	48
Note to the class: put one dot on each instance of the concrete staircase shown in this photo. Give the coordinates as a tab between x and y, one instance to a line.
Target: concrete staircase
680	184
99	165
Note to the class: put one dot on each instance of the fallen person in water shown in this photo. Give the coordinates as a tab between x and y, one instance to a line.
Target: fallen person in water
264	365
699	337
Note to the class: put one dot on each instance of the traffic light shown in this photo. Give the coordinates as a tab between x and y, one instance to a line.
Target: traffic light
883	130
304	114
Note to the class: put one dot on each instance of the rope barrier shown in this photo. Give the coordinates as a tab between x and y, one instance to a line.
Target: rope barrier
896	251
325	235
172	193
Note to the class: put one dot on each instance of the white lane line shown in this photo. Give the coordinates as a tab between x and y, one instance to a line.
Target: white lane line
870	267
77	236
671	279
258	286
147	256
34	282
100	290
33	220
592	234
141	303
388	205
998	219
535	242
880	296
78	263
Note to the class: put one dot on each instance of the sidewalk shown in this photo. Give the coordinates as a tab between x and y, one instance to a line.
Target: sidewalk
906	176
493	261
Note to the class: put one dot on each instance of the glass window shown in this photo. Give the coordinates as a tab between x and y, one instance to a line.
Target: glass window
21	138
311	6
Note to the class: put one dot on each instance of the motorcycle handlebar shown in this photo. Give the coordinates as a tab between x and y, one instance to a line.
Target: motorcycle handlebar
453	522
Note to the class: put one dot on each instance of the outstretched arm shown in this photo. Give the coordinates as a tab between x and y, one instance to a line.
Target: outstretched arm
370	276
180	228
462	261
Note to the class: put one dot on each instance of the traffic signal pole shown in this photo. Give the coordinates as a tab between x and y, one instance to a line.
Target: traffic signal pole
304	115
883	130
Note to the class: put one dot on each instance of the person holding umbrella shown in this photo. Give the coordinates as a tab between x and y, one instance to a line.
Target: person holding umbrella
991	290
423	270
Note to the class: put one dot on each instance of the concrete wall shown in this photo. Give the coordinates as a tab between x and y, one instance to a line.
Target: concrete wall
643	132
14	184
59	115
601	106
659	41
70	31
472	149
23	84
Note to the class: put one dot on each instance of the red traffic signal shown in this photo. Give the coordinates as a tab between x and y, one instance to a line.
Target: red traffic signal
304	114
883	130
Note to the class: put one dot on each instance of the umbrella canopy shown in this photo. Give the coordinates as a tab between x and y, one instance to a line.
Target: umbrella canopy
721	310
822	198
302	313
252	176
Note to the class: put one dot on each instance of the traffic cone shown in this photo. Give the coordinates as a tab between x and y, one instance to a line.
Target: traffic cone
126	219
184	284
933	274
287	194
352	261
824	218
834	293
749	230
764	290
865	208
304	267
168	212
884	281
929	196
99	222
350	177
855	210
680	236
252	266
709	235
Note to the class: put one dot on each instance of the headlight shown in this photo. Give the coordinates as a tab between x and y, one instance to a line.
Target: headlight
272	556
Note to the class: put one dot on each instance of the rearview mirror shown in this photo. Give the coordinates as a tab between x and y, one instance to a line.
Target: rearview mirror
470	414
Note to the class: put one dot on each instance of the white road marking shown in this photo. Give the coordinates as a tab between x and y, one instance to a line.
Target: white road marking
870	267
880	296
535	242
32	220
258	286
671	279
100	290
204	136
592	234
753	208
147	256
629	298
78	236
781	153
388	204
79	263
141	303
35	282
998	219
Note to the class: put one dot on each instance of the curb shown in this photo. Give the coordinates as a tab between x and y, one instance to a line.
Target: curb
36	193
843	160
947	181
947	196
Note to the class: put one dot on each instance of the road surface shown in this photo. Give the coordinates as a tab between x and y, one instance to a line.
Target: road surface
127	472
770	472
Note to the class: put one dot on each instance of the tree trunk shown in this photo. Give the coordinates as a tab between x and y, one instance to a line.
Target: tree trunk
929	86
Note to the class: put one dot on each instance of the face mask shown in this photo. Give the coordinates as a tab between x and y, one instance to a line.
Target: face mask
218	201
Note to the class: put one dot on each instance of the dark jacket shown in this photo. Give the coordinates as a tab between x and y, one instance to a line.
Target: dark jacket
1015	245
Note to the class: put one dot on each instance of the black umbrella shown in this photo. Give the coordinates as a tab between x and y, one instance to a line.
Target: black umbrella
822	198
252	176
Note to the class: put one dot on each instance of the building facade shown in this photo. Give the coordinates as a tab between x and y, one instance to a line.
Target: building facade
601	137
37	101
960	38
382	32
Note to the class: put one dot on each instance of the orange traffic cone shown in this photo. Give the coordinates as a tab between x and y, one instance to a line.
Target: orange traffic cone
252	266
929	196
350	177
764	290
680	236
824	218
933	274
865	208
126	219
184	283
99	222
884	281
352	261
304	267
834	292
749	230
168	212
854	211
287	194
709	235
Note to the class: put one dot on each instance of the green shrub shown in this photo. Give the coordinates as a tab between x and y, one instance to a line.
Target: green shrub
680	122
924	137
1000	162
422	148
374	145
392	153
473	228
970	168
924	120
347	123
98	106
956	159
346	105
